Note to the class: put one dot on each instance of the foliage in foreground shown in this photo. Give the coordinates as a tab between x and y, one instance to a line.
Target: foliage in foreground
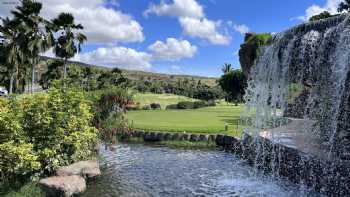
109	106
41	132
30	189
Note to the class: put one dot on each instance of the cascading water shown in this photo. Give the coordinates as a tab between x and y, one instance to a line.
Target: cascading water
299	90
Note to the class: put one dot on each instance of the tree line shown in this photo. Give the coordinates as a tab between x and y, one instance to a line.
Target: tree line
26	35
343	6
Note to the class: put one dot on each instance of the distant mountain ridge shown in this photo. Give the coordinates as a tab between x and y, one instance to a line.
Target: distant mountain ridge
142	75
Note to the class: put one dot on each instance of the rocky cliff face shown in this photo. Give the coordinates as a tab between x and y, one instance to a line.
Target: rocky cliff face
249	50
247	54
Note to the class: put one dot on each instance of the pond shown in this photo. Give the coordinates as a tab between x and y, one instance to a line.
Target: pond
143	170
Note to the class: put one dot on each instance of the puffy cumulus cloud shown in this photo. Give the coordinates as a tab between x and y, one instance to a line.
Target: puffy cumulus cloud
330	6
121	57
101	24
242	29
192	19
179	8
172	49
205	29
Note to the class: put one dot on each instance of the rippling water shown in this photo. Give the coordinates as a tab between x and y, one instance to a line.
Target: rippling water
141	170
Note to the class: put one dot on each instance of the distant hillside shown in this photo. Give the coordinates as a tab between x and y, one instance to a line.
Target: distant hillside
143	75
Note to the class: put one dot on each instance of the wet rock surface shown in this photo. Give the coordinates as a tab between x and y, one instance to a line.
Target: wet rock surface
63	186
86	169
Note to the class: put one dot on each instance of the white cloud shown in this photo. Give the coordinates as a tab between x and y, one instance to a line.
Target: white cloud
172	49
192	19
242	29
330	6
101	25
205	29
179	8
117	57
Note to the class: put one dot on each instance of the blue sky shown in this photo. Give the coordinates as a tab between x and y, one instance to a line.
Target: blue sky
176	36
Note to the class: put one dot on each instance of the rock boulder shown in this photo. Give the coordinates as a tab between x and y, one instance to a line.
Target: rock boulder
66	186
86	169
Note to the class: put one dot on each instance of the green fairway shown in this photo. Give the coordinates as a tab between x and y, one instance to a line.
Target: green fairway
162	99
209	120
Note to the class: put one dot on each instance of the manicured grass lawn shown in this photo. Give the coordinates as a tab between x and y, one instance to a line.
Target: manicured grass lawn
162	99
209	120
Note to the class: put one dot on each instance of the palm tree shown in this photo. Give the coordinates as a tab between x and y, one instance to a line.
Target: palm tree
344	6
69	41
13	40
226	68
38	36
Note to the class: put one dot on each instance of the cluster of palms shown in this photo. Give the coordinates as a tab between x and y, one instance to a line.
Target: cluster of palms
27	35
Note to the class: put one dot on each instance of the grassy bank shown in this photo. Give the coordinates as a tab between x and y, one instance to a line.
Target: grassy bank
189	145
209	120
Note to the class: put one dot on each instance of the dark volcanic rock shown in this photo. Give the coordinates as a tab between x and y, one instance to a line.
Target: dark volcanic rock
151	137
212	138
167	136
203	138
247	55
194	138
175	137
219	140
186	137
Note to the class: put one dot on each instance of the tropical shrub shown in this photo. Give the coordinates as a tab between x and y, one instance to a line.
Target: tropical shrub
172	106
41	132
185	105
110	107
191	105
146	107
17	158
320	16
155	106
58	125
110	101
199	104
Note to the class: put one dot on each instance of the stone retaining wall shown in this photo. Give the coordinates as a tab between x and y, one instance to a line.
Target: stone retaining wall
162	136
326	176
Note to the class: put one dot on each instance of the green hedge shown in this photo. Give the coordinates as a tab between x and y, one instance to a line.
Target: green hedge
191	105
41	132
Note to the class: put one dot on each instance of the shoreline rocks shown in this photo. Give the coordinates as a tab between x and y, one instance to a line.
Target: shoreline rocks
86	169
63	185
70	180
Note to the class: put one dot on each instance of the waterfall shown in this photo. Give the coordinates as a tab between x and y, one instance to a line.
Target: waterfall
298	95
303	75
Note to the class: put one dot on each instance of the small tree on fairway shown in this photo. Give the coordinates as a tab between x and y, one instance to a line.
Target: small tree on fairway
234	84
69	40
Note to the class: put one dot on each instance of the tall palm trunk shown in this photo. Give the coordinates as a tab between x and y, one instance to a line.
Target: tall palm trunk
12	78
65	69
34	63
33	79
